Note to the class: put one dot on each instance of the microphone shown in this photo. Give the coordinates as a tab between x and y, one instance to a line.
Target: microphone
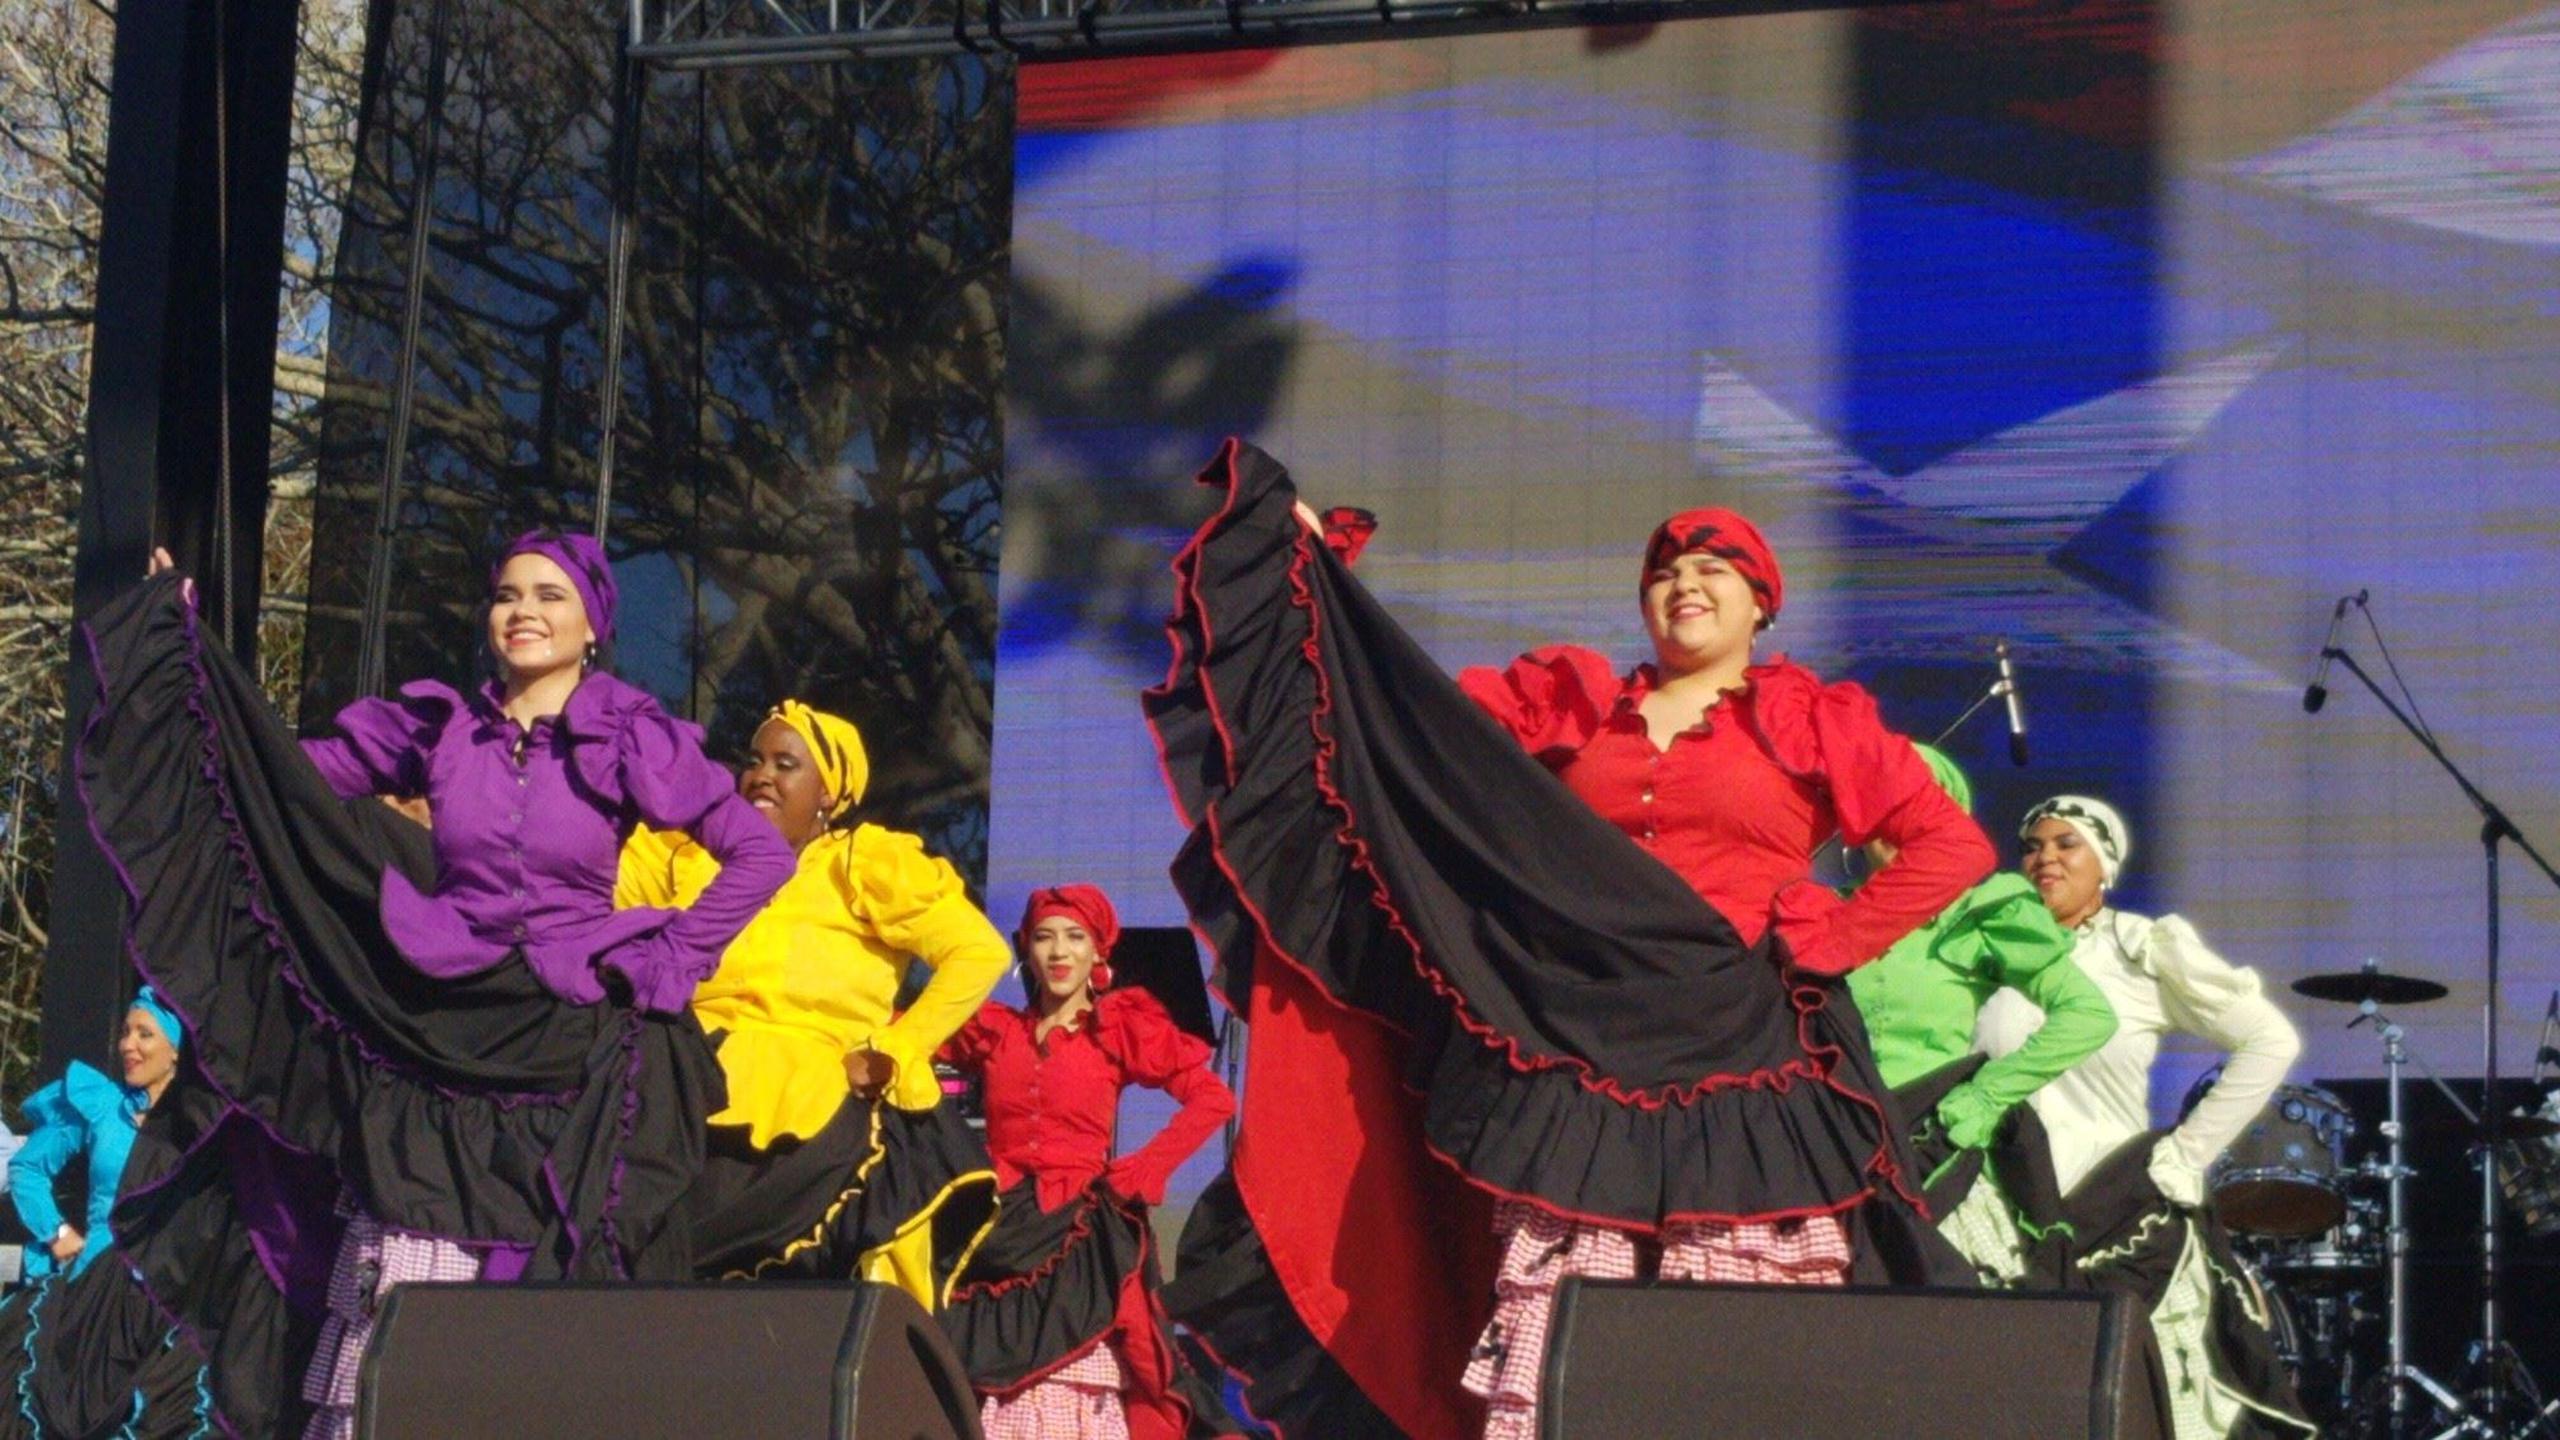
2316	694
2017	711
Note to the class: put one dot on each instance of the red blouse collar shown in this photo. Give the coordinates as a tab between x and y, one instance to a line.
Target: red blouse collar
1026	1018
1641	681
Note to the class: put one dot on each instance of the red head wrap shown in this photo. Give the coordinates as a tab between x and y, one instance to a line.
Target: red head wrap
1347	529
1087	906
1723	534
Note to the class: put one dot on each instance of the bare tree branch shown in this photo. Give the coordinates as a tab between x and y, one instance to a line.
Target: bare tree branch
54	73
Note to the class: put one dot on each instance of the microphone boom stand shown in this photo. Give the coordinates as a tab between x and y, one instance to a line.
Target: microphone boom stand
2494	828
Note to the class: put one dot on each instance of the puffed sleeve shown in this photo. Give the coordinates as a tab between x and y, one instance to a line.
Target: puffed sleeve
1154	1051
1881	790
2014	940
669	784
382	743
81	1114
971	1044
57	1135
1552	700
916	903
2204	995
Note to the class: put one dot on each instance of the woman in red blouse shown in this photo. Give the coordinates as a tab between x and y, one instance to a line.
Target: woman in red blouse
1731	773
1597	1020
1057	1314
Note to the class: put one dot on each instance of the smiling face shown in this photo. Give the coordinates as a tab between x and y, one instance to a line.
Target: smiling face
1699	612
1062	957
144	1053
537	623
2065	868
781	781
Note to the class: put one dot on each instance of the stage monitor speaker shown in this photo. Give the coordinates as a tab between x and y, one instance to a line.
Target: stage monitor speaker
640	1362
1631	1361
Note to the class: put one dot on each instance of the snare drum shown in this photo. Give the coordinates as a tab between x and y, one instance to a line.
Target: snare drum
2349	1257
2283	1175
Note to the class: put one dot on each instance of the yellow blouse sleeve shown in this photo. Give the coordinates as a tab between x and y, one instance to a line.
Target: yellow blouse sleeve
916	903
647	873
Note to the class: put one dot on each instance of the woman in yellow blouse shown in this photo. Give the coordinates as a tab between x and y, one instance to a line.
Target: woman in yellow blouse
834	1155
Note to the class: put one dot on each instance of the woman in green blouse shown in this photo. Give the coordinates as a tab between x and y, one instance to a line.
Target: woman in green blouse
1990	1173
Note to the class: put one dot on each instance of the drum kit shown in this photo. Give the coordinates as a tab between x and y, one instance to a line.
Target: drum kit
2328	1240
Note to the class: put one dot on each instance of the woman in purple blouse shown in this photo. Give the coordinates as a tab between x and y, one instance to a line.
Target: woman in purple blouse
420	1056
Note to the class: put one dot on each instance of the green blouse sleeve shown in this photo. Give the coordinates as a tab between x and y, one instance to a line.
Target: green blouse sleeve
2018	944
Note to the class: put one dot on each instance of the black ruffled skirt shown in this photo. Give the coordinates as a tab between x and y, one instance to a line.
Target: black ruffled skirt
1559	1018
2130	1239
2018	1162
820	1208
483	1110
1584	1031
90	1355
1226	1294
1045	1287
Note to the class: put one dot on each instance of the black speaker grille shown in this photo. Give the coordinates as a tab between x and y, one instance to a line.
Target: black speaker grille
1632	1361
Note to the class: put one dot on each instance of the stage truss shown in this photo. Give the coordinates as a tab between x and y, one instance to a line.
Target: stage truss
707	34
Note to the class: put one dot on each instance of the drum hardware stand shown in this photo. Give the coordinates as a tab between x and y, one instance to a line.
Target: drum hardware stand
2398	1374
2498	1369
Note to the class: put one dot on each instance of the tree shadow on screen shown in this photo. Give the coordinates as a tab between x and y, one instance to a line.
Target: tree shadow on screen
809	456
1118	420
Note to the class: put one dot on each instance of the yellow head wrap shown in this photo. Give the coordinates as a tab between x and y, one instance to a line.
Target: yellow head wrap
844	767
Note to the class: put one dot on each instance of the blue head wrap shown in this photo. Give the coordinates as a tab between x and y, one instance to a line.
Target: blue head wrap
162	1016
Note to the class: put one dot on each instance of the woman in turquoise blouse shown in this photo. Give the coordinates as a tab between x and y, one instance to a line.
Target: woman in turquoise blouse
82	1349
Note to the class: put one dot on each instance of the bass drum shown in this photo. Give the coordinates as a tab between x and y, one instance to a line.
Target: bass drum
2285	1175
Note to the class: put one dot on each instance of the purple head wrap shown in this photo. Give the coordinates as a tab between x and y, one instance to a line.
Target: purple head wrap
582	557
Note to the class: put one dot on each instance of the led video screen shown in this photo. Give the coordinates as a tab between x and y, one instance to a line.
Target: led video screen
2131	336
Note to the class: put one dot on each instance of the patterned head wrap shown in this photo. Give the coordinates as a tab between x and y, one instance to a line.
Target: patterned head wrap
174	1030
1724	534
2097	822
1950	776
1087	906
590	573
1347	529
844	767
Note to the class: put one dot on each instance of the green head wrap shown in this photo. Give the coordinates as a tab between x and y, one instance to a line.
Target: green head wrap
1949	777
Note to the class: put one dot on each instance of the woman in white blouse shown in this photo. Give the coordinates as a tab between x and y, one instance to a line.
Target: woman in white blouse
2135	1195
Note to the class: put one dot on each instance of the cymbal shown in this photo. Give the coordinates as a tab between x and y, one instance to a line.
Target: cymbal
2354	987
